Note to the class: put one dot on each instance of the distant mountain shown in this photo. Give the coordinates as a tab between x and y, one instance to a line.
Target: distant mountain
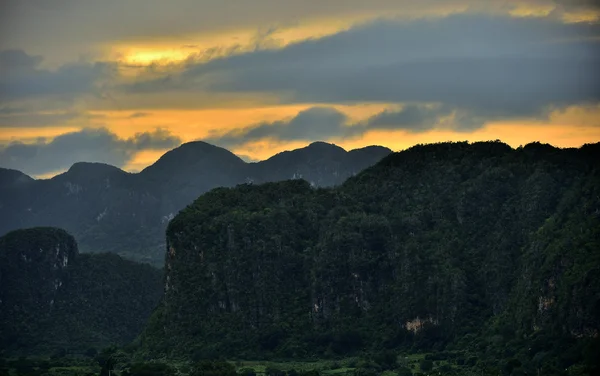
472	250
320	163
11	178
53	298
108	209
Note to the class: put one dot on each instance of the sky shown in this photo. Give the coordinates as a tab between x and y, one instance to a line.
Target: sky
124	81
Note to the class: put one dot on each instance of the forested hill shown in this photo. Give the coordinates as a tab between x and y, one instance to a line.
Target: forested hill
110	210
443	246
54	300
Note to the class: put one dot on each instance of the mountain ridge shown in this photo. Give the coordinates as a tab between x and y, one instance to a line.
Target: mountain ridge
108	209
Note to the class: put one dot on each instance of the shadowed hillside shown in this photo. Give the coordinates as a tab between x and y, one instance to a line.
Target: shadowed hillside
107	209
53	298
454	244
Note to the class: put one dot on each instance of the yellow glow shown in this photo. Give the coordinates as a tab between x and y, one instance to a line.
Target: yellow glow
48	175
570	127
146	57
582	16
143	159
28	135
531	10
209	46
197	124
512	134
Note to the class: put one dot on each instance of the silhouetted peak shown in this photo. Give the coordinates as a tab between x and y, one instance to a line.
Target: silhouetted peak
314	150
91	169
10	177
322	145
372	149
193	154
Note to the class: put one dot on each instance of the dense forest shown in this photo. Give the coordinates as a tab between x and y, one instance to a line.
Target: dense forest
451	248
56	301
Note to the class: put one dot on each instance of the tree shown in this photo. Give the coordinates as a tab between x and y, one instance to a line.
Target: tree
149	369
272	371
426	365
247	372
213	368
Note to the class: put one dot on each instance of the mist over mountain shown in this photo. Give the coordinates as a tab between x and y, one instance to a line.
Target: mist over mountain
108	209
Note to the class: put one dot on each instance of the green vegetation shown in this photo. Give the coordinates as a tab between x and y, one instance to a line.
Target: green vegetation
484	256
55	301
440	364
446	259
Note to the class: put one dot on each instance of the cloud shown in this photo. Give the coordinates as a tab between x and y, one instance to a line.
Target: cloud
16	60
411	117
30	116
138	115
314	123
159	139
36	119
578	4
327	123
490	65
22	78
87	145
111	20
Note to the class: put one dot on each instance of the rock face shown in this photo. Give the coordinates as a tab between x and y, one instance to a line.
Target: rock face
107	209
34	271
417	251
51	297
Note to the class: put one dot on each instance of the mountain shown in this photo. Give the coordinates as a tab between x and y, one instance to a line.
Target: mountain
109	210
320	163
9	178
478	248
52	298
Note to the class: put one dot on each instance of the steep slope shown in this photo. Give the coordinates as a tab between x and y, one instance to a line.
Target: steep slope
320	163
52	297
10	177
180	175
107	209
425	249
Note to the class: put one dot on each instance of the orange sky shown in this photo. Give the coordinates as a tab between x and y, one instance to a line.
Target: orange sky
176	43
571	128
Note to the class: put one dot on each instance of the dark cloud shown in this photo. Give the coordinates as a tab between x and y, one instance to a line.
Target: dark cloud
492	66
159	139
88	22
38	119
578	4
23	117
314	123
87	145
411	117
16	60
327	123
22	78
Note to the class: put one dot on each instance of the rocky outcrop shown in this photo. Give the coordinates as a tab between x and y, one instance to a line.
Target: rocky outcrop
52	297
